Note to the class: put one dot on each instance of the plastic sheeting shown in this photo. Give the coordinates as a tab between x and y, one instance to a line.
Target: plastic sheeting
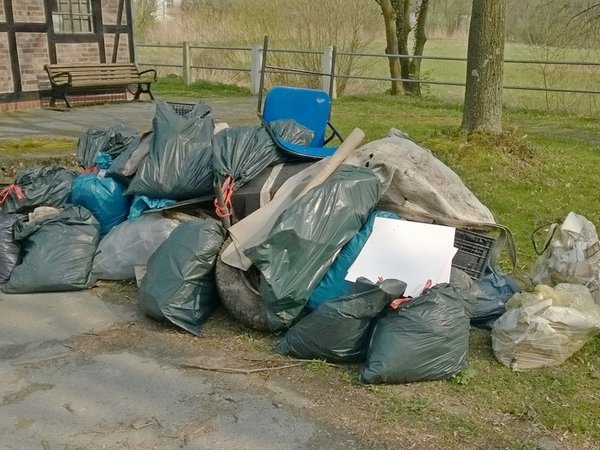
572	255
243	152
546	327
179	285
58	252
40	186
114	141
131	244
333	285
10	251
104	197
339	330
426	338
179	164
143	203
414	179
306	238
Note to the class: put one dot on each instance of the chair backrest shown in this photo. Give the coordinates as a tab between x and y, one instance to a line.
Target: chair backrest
309	107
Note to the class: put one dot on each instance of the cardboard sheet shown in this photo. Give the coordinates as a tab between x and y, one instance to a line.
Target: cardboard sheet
413	252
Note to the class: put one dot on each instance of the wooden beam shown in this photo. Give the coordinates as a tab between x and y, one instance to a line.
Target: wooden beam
118	31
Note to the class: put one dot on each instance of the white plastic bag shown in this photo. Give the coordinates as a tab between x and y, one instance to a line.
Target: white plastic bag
546	327
130	244
572	255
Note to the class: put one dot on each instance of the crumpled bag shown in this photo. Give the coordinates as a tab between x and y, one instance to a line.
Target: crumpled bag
425	338
339	330
179	165
10	251
57	252
243	152
179	285
114	141
126	164
306	238
572	255
546	327
38	186
131	244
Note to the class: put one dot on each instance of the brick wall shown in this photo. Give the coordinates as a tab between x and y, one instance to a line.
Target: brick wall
6	84
123	53
109	12
29	11
77	52
33	54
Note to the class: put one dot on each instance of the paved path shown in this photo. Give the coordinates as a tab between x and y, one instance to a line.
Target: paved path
52	122
78	371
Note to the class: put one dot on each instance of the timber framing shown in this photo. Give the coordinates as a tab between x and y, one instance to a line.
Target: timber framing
31	44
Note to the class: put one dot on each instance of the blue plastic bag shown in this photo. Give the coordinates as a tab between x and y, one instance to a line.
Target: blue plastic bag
333	285
142	203
104	197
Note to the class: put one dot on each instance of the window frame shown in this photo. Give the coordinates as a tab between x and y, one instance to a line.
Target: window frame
73	16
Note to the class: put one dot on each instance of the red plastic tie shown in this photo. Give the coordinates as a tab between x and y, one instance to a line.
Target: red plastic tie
11	188
225	209
90	170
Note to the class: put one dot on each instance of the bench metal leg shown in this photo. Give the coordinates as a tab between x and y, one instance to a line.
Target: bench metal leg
140	90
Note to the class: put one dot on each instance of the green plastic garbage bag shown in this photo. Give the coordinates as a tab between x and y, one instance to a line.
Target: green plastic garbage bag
339	330
114	141
426	338
243	152
10	251
58	252
179	164
38	186
179	285
306	238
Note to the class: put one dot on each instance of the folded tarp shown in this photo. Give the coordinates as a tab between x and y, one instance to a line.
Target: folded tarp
179	285
58	252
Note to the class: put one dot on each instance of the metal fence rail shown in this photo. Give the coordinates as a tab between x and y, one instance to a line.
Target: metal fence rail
253	55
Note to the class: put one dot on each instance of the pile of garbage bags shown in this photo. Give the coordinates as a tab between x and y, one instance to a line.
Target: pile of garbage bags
64	230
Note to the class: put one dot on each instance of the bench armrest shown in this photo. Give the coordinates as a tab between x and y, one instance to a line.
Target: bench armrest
60	74
148	71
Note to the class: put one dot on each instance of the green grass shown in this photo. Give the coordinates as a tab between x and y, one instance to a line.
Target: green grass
25	146
173	86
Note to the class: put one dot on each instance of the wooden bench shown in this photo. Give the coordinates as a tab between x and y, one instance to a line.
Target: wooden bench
68	78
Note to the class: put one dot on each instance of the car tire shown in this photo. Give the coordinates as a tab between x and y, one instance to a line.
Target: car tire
238	296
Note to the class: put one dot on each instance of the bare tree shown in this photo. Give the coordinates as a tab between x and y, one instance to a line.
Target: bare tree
389	18
483	92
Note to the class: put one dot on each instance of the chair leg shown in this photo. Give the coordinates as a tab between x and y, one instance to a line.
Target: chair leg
150	92
138	92
64	95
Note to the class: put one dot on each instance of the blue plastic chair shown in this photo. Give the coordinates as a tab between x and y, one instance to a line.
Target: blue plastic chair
308	107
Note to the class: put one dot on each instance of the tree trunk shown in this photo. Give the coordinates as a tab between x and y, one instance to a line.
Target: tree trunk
389	17
483	91
420	39
402	8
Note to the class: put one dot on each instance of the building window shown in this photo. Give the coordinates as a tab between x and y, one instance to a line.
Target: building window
72	16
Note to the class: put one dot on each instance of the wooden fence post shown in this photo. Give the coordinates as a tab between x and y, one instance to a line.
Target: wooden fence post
328	81
255	68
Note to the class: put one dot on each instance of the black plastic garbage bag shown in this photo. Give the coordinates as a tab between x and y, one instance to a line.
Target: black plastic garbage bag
57	252
10	251
426	338
39	186
179	285
113	141
243	152
306	238
494	290
339	330
179	164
